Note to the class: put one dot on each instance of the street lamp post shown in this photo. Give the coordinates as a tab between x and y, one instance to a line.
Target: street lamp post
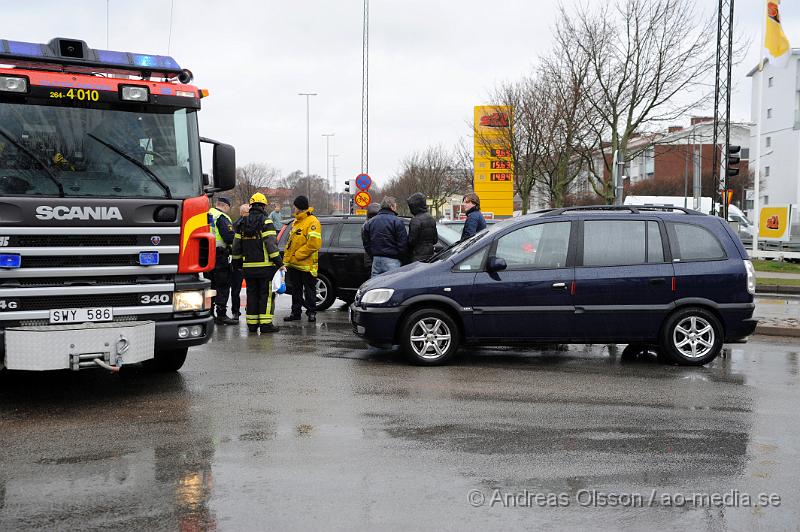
328	157
308	138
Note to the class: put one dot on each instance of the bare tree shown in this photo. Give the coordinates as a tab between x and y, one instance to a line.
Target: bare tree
319	198
252	178
431	172
649	61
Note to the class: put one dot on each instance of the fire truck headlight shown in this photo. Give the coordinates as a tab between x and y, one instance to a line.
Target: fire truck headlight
13	84
189	301
134	93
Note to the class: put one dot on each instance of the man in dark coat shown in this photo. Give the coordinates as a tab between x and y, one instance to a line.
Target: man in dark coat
475	221
385	238
422	234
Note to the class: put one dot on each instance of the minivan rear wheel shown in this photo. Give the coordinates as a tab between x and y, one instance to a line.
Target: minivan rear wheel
429	337
692	337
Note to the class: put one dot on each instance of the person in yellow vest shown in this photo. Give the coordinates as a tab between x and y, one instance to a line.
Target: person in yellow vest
255	248
302	259
222	227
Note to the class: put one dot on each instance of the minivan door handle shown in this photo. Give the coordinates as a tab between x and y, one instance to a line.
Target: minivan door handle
559	286
658	280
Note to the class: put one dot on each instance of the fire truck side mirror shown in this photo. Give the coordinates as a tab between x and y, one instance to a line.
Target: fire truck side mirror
224	166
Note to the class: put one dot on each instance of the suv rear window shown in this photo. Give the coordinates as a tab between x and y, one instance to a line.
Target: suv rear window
350	236
328	229
693	242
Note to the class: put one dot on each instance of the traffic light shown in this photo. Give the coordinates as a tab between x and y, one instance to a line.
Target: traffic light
347	186
733	160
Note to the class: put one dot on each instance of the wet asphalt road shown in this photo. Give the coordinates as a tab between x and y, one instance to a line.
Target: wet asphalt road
308	429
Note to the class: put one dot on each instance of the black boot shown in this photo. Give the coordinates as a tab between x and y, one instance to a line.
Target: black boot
292	317
268	328
222	318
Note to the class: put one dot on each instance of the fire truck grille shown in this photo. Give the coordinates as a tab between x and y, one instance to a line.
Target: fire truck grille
63	241
85	281
92	301
89	261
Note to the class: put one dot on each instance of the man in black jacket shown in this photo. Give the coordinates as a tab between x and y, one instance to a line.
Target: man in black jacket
385	238
422	234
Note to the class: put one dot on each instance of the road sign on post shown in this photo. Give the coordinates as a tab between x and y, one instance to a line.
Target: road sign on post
363	182
362	199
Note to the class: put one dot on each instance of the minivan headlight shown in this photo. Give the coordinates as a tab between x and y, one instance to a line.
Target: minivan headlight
377	296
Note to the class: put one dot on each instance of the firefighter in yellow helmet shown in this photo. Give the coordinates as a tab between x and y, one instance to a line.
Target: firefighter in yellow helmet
255	249
302	259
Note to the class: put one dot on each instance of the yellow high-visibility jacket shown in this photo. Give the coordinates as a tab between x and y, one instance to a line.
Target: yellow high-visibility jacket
305	239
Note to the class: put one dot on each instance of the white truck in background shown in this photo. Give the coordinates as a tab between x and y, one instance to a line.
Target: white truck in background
735	215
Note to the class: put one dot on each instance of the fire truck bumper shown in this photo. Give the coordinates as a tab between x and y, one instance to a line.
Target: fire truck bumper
76	346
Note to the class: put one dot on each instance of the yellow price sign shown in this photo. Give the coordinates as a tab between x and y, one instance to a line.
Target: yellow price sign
774	222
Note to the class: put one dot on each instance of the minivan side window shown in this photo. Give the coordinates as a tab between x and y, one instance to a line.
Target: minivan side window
472	263
693	242
535	246
621	242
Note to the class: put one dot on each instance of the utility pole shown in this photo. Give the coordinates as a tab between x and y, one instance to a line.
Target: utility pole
308	138
365	92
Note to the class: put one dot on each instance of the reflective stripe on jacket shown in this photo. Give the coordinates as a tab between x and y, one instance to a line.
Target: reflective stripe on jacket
305	240
255	244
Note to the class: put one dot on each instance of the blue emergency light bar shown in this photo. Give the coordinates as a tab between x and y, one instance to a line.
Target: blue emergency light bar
10	260
77	55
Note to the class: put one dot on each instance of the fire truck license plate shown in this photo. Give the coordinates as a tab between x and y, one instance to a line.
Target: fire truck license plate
80	315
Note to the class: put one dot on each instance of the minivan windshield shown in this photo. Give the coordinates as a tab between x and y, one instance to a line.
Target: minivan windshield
460	246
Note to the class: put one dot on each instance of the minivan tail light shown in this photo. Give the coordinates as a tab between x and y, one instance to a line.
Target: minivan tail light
751	277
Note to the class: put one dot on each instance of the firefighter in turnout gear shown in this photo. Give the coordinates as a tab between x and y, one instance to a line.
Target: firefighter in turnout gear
302	259
255	248
222	227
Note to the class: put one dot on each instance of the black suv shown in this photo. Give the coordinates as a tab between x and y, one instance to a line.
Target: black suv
666	279
343	264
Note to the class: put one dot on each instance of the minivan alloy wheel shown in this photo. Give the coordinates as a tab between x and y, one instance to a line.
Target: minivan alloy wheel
693	337
430	338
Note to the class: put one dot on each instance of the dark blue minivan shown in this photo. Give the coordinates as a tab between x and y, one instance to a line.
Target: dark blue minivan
663	278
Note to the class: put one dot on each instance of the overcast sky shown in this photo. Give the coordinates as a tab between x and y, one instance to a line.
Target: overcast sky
431	61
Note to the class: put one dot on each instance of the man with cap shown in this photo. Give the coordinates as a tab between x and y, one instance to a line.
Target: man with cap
222	227
302	260
255	249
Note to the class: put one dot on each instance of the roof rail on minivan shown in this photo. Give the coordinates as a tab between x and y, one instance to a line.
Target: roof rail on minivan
633	209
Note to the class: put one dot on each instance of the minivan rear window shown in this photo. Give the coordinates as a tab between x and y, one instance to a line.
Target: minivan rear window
621	242
693	242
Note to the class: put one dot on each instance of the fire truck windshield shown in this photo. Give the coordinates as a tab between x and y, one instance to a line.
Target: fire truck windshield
99	152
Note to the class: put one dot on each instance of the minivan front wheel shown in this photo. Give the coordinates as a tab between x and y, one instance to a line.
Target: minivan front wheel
430	337
692	337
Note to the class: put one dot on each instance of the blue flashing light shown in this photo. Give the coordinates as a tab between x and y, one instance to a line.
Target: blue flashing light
142	60
148	258
10	260
111	57
25	48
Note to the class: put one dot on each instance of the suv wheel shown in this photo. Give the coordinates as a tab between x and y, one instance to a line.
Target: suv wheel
430	337
326	293
692	337
167	361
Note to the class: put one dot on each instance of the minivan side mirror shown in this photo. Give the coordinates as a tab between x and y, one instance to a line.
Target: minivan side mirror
437	248
224	165
496	264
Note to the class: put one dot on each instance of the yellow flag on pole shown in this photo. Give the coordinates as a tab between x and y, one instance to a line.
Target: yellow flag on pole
775	40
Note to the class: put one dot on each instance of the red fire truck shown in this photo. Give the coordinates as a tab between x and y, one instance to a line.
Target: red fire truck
104	227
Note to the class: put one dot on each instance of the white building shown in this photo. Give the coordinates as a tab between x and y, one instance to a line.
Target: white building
780	130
